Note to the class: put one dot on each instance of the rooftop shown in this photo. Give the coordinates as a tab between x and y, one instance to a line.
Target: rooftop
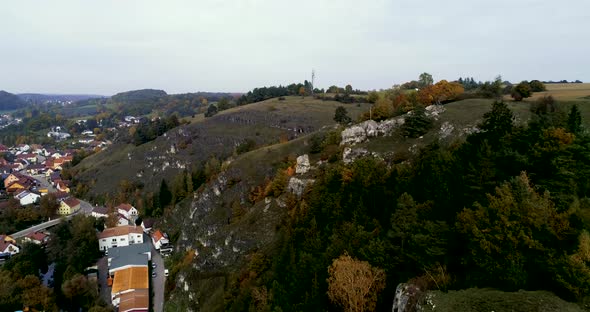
120	230
135	300
131	278
134	255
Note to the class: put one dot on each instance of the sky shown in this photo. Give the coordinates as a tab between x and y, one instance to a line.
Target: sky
109	46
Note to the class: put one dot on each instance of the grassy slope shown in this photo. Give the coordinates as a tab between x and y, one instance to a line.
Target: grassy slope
264	122
476	300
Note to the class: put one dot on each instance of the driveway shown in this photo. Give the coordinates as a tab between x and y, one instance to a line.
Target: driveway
103	271
159	281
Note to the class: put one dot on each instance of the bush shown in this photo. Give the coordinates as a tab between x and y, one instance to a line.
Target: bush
417	123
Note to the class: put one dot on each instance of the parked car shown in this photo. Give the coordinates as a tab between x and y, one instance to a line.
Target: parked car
154	274
154	265
165	272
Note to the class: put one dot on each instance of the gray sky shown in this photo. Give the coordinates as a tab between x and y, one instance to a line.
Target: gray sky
108	46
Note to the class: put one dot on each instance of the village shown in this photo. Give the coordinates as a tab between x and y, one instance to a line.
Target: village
132	249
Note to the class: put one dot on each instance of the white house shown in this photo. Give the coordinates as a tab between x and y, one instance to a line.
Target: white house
159	239
100	212
8	245
27	197
127	211
123	221
120	236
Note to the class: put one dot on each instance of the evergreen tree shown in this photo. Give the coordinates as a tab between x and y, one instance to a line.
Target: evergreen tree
574	120
499	121
341	116
165	194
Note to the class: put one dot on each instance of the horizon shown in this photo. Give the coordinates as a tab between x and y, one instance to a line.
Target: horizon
65	47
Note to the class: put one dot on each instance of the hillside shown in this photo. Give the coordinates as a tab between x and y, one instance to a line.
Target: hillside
9	101
246	232
265	123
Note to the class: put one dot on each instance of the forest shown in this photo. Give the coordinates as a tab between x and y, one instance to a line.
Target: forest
506	208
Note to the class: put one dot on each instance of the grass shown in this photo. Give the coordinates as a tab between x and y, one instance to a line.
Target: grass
475	300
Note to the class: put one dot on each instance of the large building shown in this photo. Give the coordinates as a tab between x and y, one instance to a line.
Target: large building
127	281
120	236
137	255
69	206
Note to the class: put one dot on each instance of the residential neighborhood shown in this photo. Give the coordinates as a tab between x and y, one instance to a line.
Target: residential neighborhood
30	174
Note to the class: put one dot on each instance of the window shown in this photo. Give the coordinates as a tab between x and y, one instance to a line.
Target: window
114	240
104	239
122	239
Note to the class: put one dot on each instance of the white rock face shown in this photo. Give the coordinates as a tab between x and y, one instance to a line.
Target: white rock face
370	128
303	165
349	154
446	129
297	186
434	110
404	294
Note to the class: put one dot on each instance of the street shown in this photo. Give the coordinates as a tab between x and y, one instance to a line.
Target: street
159	282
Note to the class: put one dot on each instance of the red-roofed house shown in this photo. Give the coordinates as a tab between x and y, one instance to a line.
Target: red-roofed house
159	239
37	238
128	211
69	206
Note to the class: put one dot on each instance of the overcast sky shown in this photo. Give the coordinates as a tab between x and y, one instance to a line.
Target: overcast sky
108	46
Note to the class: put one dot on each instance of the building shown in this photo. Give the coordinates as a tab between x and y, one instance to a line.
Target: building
37	238
27	197
127	281
137	255
135	301
120	236
128	211
8	245
160	239
100	212
68	206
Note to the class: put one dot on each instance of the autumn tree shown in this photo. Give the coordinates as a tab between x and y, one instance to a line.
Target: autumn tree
302	91
440	92
354	284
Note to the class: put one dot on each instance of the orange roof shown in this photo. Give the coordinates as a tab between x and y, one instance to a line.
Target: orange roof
135	300
131	278
120	230
157	235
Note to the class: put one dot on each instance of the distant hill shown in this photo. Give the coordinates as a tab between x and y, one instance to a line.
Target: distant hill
9	101
139	96
43	98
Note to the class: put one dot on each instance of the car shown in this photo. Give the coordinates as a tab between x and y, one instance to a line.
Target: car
154	266
154	274
165	272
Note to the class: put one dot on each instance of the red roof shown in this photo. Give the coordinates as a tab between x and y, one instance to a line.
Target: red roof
38	236
125	207
71	202
157	236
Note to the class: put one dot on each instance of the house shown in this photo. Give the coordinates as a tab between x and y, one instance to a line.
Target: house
29	157
121	258
127	210
27	197
22	179
87	132
69	206
120	236
8	245
36	169
23	147
63	186
160	239
100	212
128	281
135	301
123	221
61	196
147	225
3	148
37	238
22	184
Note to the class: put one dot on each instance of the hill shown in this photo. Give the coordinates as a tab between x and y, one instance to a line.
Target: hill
271	222
9	101
180	149
38	98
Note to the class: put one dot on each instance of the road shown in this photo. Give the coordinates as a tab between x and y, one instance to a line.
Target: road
85	208
158	282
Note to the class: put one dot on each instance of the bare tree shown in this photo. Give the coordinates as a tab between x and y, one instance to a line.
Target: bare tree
354	284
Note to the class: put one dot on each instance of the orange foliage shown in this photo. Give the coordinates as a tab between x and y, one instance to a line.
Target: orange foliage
440	92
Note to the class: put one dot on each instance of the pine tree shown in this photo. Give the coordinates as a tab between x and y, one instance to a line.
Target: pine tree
574	120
